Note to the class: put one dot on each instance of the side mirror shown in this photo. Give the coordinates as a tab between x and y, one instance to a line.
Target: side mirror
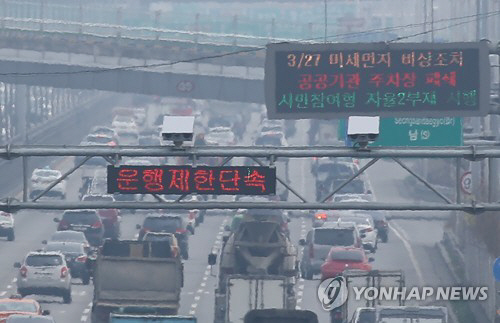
212	259
138	226
371	259
56	220
225	238
227	228
44	241
45	312
17	265
302	242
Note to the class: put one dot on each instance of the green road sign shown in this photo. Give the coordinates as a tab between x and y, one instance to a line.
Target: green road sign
400	132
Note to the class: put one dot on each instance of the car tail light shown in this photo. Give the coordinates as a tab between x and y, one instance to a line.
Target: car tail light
81	259
97	225
64	272
63	225
311	251
180	231
321	216
23	271
368	230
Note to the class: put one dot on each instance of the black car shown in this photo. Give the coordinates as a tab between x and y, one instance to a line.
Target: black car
76	258
86	221
176	224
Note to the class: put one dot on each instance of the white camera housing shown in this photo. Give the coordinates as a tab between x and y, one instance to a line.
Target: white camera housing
177	129
363	130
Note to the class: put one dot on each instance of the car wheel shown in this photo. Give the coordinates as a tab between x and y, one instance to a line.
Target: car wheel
185	254
85	278
67	297
11	236
308	274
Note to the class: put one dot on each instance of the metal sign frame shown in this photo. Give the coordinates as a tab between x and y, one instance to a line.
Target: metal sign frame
114	154
271	77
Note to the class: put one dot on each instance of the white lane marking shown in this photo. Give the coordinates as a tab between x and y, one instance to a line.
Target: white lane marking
199	291
194	305
14	280
84	318
301	286
203	284
192	312
197	298
298	307
396	229
9	286
207	292
86	311
300	293
3	293
82	293
204	278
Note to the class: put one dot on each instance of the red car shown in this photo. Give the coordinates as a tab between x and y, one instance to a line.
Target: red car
342	258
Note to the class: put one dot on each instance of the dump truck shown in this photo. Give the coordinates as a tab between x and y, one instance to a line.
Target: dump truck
258	268
136	277
126	318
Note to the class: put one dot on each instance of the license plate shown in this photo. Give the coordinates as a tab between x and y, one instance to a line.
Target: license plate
79	227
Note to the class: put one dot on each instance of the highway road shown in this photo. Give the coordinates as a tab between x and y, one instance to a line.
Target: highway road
410	246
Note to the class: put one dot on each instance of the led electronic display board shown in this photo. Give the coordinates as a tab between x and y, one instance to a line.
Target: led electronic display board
398	79
237	180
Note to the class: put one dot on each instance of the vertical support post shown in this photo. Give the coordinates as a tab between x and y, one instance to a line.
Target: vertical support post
157	24
310	30
80	16
484	19
42	5
235	29
21	104
432	21
425	20
478	20
25	179
326	20
196	29
273	29
4	12
459	182
118	22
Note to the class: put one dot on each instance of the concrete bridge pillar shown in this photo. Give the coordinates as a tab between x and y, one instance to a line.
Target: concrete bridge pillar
21	106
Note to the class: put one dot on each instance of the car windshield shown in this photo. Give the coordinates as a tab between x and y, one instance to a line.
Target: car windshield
334	237
18	307
98	198
354	187
71	236
47	173
157	237
43	260
167	224
65	247
268	141
366	316
81	217
354	256
336	170
356	219
218	123
377	215
124	119
98	139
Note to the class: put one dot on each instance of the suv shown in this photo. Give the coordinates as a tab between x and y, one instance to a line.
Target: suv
110	217
7	226
44	273
319	241
86	221
170	224
76	258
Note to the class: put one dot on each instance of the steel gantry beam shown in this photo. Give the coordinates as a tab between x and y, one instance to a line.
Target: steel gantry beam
111	154
468	152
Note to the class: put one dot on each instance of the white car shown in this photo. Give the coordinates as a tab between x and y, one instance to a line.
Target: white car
42	178
128	137
366	228
7	226
274	138
221	136
124	122
44	273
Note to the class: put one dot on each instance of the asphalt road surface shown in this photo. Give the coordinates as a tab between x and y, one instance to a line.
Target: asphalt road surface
410	247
